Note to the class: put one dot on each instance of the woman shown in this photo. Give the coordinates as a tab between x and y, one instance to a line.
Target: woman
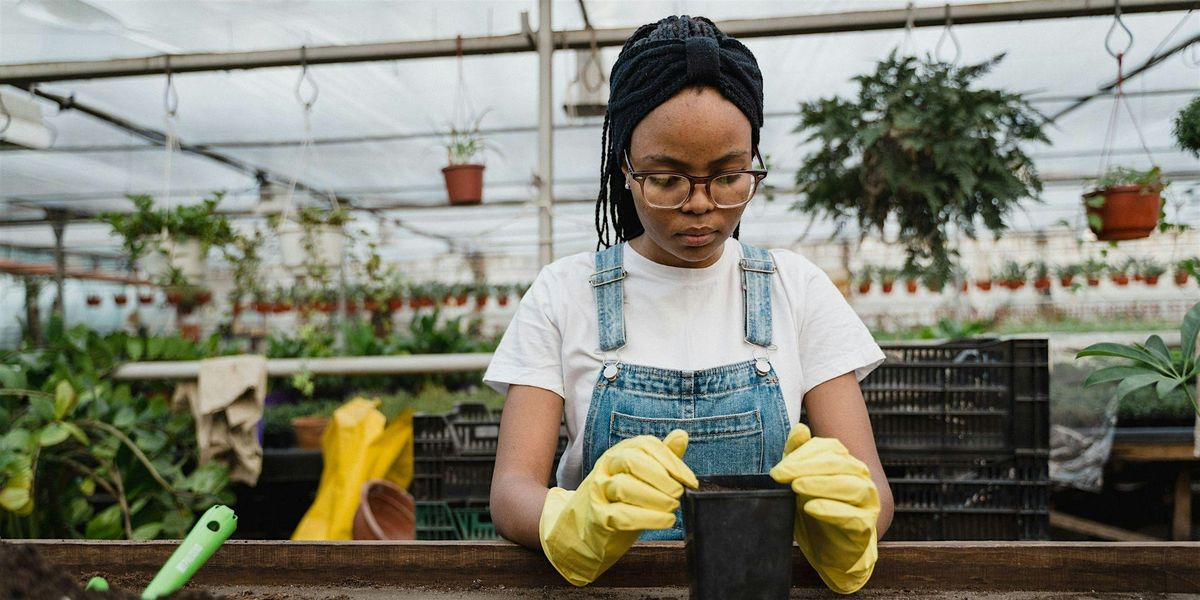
677	351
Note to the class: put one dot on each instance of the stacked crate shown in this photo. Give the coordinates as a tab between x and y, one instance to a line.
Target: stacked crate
963	433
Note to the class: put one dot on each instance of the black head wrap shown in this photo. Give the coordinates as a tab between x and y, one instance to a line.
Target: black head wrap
657	61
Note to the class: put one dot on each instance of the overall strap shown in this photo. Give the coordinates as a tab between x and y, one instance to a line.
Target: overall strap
609	293
757	268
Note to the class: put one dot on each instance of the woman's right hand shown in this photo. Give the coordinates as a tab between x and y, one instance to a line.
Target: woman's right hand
634	486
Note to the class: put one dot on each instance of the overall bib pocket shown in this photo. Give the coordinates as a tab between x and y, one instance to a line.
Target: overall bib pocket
722	444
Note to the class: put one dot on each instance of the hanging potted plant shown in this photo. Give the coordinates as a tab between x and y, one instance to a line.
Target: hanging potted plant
171	241
1125	204
464	171
1187	127
1066	274
312	240
862	279
244	254
933	281
120	299
482	292
145	298
1092	270
93	300
985	284
1041	275
502	291
923	146
887	278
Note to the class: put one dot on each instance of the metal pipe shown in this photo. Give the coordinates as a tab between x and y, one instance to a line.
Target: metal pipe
343	365
545	176
24	75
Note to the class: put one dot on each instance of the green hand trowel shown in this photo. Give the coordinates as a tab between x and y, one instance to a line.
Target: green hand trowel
206	536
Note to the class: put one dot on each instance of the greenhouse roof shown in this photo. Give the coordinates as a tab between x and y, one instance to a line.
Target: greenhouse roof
378	126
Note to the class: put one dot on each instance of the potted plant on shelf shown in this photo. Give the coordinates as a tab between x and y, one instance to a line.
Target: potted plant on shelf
482	292
1125	204
923	146
1185	268
93	300
887	278
145	298
1066	274
463	172
1092	270
985	284
911	281
1151	270
502	291
1120	275
862	279
1013	275
120	299
1041	275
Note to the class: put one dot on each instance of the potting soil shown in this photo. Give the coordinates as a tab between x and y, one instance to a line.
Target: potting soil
25	576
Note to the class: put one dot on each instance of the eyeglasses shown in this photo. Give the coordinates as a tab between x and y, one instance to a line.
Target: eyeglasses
669	189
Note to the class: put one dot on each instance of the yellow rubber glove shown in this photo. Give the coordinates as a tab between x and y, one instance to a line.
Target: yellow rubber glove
837	508
635	485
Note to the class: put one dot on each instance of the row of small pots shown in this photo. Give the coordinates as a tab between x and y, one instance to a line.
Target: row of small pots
372	306
1044	283
173	298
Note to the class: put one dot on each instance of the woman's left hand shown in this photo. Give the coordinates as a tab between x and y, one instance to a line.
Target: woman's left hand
837	508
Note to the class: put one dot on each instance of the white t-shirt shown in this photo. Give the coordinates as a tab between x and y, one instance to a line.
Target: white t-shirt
681	319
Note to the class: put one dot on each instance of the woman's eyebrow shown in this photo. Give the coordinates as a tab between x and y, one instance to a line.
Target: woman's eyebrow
667	159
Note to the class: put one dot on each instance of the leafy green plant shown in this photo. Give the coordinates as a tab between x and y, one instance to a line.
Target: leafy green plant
1172	372
184	222
83	456
923	145
465	145
1187	127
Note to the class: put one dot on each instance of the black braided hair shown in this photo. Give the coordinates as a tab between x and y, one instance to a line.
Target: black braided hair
656	62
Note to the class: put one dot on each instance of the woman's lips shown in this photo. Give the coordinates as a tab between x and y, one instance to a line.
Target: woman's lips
697	239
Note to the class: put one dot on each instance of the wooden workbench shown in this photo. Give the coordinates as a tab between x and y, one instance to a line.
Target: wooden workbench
914	567
1173	445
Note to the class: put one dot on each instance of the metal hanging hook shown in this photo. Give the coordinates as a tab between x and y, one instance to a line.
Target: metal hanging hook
170	95
307	101
948	32
909	23
1117	20
1190	57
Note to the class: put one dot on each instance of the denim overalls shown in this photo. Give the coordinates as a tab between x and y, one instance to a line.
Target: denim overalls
734	415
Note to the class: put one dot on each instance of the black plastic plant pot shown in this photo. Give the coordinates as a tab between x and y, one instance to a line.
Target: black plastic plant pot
739	537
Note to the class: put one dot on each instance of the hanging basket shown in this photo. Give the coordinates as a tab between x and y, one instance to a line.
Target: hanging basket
1127	212
328	243
464	183
188	256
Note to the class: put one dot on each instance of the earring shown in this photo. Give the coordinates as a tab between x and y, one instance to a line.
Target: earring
626	185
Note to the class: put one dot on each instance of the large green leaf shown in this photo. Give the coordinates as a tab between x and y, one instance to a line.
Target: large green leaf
1166	385
1135	382
12	377
1109	374
16	439
134	347
148	531
1156	346
1122	351
1189	331
13	498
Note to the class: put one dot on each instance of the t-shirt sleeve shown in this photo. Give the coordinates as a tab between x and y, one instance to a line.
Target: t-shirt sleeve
530	352
833	339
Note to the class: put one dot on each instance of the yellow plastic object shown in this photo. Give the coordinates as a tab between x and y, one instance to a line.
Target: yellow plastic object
837	508
356	447
635	485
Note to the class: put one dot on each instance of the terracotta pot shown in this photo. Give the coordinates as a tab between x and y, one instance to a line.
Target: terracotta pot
984	285
395	303
460	299
1042	283
1129	211
1181	278
464	183
864	287
146	298
1151	280
121	299
911	286
203	297
1139	277
887	286
308	430
1093	281
1120	279
93	300
190	332
1066	281
174	297
371	305
281	307
385	512
481	301
263	307
502	300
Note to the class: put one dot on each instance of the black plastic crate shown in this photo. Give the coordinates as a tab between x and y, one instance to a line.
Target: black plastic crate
467	477
432	435
971	396
969	498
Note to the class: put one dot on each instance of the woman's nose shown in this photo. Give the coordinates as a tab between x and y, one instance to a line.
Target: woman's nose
698	202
